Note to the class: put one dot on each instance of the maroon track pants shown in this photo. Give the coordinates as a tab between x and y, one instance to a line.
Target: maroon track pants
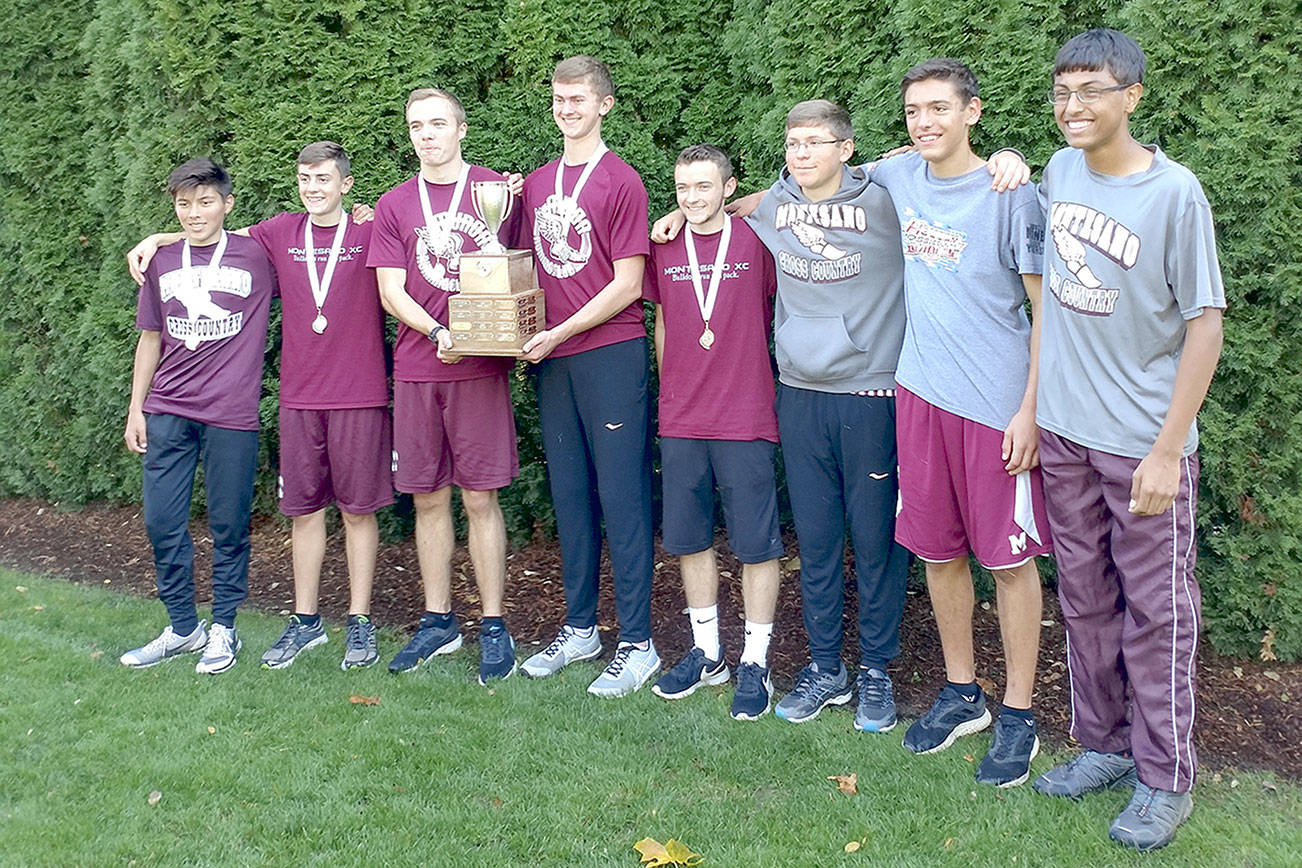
1131	606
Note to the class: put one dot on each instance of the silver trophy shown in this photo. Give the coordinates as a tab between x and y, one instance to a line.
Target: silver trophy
493	202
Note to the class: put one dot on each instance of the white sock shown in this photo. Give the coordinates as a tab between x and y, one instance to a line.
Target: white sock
705	629
756	649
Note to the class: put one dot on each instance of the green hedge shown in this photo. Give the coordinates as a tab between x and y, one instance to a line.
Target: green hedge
101	99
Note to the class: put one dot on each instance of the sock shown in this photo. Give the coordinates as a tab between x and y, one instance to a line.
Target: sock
1022	714
583	632
308	620
705	630
491	622
969	691
756	649
436	619
353	619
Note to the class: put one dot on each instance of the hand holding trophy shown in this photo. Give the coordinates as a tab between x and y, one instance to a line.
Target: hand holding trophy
499	306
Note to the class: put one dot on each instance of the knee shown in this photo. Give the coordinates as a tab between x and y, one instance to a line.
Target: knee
479	505
433	501
354	520
1026	574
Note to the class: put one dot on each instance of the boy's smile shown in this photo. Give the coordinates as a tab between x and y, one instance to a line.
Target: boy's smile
1089	126
814	159
937	120
435	133
322	190
201	212
577	109
701	193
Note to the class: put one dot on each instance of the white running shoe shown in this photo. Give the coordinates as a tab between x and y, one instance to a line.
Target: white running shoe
219	656
168	644
629	670
568	646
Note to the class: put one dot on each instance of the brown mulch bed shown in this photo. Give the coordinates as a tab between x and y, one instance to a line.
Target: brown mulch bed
1248	712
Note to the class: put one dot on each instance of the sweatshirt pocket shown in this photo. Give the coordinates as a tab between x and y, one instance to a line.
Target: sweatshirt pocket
817	349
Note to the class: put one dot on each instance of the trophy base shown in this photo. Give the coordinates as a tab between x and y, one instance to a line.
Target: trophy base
497	273
494	324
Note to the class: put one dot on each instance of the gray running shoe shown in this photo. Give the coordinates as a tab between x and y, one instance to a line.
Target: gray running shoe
1151	818
568	646
876	710
166	644
1090	772
630	668
1008	762
815	690
219	654
950	717
359	643
297	638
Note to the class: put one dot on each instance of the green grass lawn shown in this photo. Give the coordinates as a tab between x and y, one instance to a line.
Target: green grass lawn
259	767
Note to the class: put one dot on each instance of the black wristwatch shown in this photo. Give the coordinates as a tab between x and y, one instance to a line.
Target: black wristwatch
434	332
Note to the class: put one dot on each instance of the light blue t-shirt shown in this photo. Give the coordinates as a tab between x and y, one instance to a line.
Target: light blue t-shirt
966	337
1129	260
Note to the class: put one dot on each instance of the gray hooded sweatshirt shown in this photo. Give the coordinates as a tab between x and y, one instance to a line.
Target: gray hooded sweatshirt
839	317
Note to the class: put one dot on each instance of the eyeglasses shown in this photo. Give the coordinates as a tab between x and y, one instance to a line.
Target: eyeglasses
1086	95
796	147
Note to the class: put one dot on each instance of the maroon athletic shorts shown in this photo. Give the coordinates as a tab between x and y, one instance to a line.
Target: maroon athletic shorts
459	433
335	456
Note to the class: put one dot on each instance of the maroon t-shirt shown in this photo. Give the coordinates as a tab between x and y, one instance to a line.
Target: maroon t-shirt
725	392
399	241
220	380
343	367
609	223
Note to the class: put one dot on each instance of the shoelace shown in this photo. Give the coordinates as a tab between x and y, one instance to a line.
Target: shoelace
224	639
749	678
354	633
158	644
561	638
806	681
287	638
494	644
622	653
878	689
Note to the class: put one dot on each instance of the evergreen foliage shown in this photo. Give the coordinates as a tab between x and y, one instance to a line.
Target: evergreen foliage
102	97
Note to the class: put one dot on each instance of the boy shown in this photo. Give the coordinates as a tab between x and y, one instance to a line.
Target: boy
587	213
966	407
335	439
202	314
453	420
713	288
1132	335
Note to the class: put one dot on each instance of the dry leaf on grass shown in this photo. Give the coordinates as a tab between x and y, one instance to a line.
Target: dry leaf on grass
853	846
654	854
154	798
355	699
212	730
848	784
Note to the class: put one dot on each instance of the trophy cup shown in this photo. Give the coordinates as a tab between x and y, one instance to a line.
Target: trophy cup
499	306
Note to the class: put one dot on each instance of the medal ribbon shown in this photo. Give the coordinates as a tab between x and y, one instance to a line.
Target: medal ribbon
705	299
583	180
209	275
321	285
457	192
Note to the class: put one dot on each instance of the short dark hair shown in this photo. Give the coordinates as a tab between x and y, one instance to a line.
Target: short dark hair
319	152
420	93
1102	50
706	154
199	172
587	69
955	72
821	113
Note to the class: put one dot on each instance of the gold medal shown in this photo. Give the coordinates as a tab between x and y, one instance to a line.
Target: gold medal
706	340
319	324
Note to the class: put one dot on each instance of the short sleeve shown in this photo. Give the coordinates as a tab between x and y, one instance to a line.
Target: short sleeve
149	306
1192	269
387	250
630	232
650	285
1025	242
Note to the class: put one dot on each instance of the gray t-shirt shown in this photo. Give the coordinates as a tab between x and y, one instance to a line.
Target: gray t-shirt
967	339
838	320
1128	261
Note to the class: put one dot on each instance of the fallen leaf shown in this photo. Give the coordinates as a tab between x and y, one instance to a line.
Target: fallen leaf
1234	783
154	798
1273	676
20	589
652	851
1238	671
792	565
987	685
364	700
852	847
95	655
848	784
37	608
672	852
212	730
969	757
1269	785
949	843
1268	645
497	803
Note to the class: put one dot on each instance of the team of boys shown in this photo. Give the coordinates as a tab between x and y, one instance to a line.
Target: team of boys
895	295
